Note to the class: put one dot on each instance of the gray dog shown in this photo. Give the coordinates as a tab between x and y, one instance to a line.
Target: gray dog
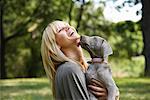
99	51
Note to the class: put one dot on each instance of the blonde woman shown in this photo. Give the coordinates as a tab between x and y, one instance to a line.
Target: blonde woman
65	64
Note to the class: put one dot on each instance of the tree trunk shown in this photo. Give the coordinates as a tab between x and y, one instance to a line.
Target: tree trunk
80	15
70	11
146	35
32	68
2	47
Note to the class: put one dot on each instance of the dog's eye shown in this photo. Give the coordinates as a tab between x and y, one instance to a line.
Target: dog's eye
86	44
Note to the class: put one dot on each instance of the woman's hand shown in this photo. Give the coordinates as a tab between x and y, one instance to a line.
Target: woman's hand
98	89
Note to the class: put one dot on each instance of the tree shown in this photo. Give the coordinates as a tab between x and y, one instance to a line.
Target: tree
19	30
19	20
145	23
146	35
2	44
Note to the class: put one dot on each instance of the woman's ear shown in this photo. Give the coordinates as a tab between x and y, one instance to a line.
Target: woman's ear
49	53
59	46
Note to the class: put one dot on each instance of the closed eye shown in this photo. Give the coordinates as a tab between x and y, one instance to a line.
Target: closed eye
60	30
64	28
71	33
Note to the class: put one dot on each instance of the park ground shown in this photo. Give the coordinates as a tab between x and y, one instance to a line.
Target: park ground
128	75
38	89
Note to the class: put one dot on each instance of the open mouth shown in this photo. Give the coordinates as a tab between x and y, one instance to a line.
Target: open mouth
79	44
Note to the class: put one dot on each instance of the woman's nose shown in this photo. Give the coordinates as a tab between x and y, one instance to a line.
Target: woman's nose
70	30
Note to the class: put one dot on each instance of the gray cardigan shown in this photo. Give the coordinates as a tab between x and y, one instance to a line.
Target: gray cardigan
70	83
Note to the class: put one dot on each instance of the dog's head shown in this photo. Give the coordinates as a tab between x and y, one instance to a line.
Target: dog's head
93	45
96	46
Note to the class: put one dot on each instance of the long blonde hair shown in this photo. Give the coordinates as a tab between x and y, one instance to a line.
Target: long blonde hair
51	53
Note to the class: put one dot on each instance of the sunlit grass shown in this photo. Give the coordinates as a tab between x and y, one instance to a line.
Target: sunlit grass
25	89
134	88
39	89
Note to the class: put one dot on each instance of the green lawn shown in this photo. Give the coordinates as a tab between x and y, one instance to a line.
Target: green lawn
38	89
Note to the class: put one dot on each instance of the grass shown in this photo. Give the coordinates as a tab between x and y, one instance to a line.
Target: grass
25	89
134	88
38	89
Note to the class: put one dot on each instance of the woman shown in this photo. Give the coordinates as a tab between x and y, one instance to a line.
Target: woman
65	64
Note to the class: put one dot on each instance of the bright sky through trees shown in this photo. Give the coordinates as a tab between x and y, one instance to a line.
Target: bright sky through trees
120	10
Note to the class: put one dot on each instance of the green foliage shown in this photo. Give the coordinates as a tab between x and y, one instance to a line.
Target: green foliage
38	89
128	39
28	19
93	22
124	37
127	67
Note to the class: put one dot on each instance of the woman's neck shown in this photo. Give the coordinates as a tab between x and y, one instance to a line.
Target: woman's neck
76	53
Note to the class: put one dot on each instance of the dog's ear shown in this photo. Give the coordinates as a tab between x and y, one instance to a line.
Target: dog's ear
107	48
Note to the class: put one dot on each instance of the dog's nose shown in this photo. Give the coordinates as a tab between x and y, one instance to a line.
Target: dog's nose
81	37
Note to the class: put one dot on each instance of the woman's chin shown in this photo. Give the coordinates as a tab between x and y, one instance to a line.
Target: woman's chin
78	42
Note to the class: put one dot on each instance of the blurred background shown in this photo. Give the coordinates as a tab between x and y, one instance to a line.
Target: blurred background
123	23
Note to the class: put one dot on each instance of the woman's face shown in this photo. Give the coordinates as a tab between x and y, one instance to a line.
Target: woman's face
66	36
